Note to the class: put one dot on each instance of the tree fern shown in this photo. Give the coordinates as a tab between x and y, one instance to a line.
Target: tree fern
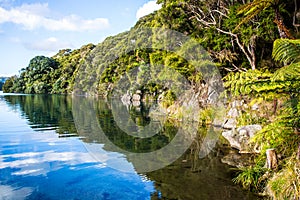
286	80
289	72
252	9
286	50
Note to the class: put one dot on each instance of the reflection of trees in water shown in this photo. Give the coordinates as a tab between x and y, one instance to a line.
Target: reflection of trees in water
187	178
45	112
191	177
121	138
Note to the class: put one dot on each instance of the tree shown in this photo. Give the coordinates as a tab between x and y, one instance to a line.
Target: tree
38	75
221	16
7	86
252	9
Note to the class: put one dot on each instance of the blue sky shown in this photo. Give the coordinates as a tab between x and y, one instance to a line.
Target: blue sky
41	27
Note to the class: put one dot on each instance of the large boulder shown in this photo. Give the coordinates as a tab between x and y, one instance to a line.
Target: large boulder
239	138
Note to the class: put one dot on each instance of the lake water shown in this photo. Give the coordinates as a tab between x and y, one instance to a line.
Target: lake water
53	150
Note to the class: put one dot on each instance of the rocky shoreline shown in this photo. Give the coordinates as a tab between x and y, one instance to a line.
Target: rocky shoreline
238	138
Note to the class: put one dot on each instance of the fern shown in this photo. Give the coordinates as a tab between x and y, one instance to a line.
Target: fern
286	51
280	134
252	9
263	83
290	72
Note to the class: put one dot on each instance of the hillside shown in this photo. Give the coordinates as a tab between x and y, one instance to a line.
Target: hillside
182	16
254	46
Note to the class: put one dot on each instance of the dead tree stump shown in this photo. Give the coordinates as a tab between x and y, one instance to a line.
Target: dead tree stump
271	162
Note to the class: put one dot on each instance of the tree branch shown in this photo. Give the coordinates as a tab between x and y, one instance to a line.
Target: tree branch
209	20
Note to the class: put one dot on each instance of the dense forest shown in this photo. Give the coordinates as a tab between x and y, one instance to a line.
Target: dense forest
255	45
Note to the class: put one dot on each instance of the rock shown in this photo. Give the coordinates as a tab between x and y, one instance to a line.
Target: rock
126	99
233	138
237	103
217	122
249	130
234	158
240	138
136	97
229	123
255	107
233	113
215	88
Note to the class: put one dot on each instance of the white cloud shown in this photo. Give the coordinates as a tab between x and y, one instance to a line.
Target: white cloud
34	16
49	44
8	192
147	8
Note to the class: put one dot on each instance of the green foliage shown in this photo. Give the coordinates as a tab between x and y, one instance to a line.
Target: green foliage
286	51
50	75
168	99
37	77
8	85
281	133
251	177
259	83
250	117
286	183
252	9
69	62
98	69
176	15
252	82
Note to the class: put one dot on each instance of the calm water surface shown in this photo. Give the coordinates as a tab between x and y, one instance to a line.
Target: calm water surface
46	155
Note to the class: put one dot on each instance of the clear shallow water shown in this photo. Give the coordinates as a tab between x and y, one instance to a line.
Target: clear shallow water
44	155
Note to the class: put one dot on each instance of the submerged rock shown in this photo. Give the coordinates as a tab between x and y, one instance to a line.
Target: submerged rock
235	159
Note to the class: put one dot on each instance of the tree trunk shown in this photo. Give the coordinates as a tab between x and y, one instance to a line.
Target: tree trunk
282	29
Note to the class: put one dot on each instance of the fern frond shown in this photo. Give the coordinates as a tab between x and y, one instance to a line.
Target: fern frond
250	10
286	50
287	72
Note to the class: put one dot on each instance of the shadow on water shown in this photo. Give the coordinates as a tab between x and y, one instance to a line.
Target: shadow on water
198	173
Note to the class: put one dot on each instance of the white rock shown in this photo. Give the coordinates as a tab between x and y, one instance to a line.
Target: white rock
233	113
240	138
229	124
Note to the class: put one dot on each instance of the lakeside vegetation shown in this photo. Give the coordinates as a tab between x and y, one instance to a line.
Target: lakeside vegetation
256	47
